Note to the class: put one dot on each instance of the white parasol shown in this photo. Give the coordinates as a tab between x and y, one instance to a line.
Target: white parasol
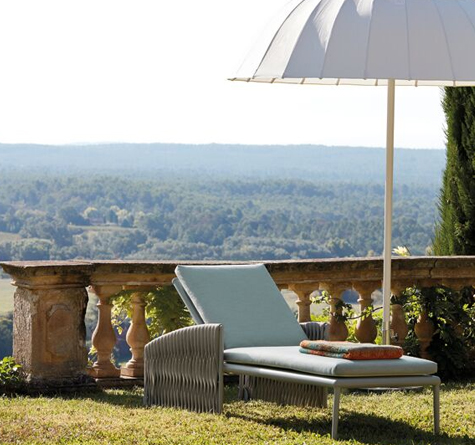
369	42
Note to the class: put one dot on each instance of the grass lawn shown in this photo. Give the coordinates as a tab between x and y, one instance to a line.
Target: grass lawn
7	236
117	416
6	296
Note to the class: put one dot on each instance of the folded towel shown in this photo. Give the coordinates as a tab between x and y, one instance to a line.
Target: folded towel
350	351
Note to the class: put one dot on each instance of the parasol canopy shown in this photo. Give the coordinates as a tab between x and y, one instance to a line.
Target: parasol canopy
369	42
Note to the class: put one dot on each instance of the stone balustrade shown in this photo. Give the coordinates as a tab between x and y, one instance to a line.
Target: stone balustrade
50	302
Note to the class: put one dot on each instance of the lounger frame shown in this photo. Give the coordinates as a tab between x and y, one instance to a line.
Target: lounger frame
185	369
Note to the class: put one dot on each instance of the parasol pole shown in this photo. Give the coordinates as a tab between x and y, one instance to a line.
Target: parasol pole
388	212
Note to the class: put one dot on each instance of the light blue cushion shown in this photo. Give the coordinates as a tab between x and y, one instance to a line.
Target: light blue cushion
195	315
245	300
289	357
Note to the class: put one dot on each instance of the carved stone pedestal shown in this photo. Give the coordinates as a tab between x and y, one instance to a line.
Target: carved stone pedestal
49	333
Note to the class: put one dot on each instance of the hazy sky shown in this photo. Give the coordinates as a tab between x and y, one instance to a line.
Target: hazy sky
156	70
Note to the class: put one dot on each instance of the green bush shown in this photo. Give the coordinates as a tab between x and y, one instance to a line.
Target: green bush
164	311
452	314
11	376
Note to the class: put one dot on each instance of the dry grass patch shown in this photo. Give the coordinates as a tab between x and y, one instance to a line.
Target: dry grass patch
6	296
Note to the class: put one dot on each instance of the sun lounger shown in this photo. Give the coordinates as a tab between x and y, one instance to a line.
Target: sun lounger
246	328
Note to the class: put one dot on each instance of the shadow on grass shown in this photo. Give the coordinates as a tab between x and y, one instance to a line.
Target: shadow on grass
130	398
363	428
126	398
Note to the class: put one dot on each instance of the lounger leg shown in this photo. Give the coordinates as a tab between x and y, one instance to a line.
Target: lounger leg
436	409
336	411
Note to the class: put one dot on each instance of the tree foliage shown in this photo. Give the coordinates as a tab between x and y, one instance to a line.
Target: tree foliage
6	334
108	217
455	233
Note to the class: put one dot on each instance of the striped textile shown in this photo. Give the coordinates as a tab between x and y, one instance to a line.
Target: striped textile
350	351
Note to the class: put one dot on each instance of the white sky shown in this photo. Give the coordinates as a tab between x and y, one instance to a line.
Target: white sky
155	71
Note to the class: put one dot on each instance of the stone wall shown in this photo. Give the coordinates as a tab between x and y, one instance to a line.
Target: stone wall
51	298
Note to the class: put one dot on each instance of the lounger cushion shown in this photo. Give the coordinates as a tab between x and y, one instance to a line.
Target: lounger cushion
245	300
290	358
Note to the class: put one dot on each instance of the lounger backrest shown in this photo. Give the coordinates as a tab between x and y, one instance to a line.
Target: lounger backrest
245	300
195	315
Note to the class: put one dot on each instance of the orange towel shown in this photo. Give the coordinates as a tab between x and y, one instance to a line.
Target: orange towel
350	351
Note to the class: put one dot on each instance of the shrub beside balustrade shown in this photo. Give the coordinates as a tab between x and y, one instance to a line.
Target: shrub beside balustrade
50	302
442	327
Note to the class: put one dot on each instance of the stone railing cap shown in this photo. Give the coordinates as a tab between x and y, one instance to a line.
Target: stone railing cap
284	272
46	267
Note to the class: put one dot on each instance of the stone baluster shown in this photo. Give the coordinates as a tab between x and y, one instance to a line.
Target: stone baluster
337	330
137	337
424	327
424	330
456	285
453	283
303	291
103	338
398	324
366	331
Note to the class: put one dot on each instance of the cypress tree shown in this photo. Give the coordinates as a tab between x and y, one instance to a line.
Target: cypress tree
455	232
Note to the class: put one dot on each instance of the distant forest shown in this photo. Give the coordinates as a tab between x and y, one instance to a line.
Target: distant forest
313	163
61	209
